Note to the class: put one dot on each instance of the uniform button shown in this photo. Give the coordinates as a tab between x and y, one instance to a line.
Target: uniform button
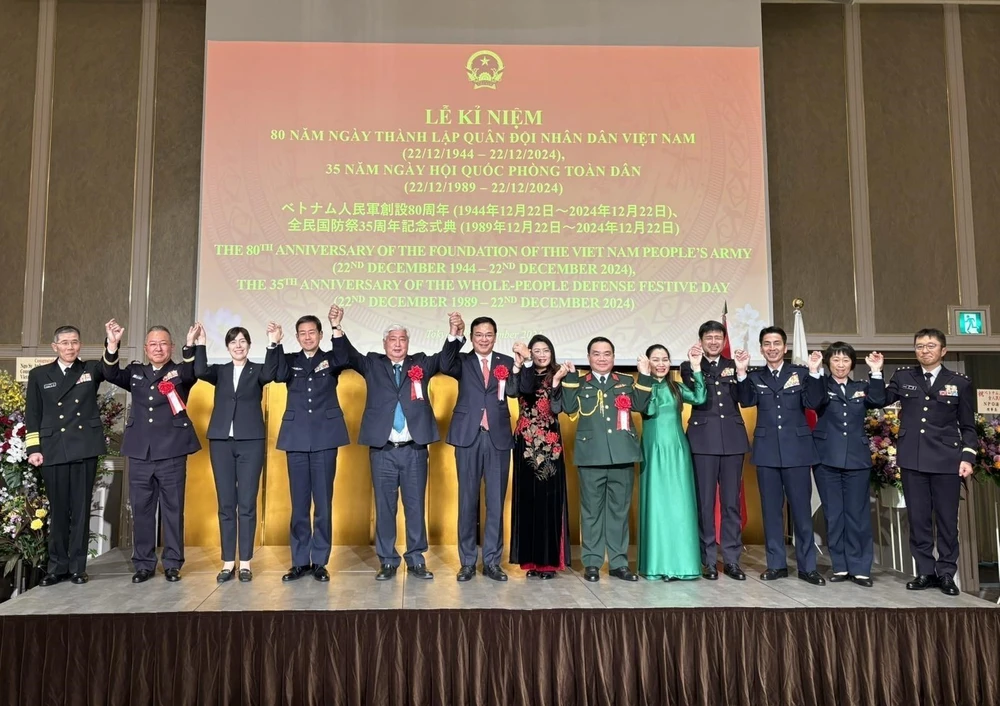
609	431
720	404
719	392
60	404
150	398
922	431
185	423
925	409
722	416
928	399
150	387
60	416
845	433
76	401
78	414
150	421
310	380
62	430
845	424
150	409
845	414
779	426
309	390
609	419
81	426
924	419
310	411
309	400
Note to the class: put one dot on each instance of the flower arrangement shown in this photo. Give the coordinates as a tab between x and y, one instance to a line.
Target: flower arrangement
542	445
882	426
987	463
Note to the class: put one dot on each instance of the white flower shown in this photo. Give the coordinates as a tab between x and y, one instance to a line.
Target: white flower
745	327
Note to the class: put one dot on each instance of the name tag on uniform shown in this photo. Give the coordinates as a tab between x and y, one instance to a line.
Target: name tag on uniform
856	395
322	366
950	391
136	377
85	378
171	374
792	381
620	385
763	387
910	387
50	385
728	372
294	368
832	394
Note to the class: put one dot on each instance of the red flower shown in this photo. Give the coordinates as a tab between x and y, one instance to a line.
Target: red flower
522	424
551	438
22	432
543	407
416	373
557	449
500	372
165	387
623	403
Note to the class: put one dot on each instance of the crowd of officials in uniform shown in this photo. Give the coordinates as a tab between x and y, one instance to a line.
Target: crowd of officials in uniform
681	473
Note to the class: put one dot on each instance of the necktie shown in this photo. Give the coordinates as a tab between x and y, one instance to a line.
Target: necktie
843	390
714	364
485	423
927	377
600	379
65	371
775	374
398	420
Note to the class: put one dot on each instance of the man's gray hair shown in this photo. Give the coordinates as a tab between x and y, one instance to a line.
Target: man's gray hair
394	327
162	329
65	329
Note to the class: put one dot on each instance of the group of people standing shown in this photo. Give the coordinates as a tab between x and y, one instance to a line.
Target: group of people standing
681	474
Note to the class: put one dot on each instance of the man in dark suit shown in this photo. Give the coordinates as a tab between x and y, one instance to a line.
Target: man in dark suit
398	424
159	436
312	430
936	449
783	452
717	435
65	436
480	433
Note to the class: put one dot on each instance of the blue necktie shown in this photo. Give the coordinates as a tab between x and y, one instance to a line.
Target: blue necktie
398	420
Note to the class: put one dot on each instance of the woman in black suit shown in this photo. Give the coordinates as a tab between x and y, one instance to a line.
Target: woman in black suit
236	440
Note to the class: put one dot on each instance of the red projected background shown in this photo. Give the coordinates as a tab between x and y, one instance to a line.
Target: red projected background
568	190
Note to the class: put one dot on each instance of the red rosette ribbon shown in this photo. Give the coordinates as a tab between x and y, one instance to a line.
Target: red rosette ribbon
501	373
168	390
416	374
623	403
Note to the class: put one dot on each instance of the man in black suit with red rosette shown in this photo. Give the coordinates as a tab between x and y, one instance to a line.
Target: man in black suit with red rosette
398	425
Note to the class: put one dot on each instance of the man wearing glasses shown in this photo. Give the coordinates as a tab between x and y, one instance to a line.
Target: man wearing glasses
937	445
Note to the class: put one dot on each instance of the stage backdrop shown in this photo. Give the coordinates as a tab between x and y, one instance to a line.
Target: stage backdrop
353	502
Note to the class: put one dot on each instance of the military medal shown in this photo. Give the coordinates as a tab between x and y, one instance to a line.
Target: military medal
168	390
501	373
416	374
623	403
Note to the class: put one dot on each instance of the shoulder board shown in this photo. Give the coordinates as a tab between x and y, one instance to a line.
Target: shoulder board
135	362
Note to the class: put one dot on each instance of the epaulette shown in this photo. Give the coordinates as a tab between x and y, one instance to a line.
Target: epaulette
136	362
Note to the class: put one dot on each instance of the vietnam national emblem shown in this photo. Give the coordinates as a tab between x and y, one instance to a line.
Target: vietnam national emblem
485	69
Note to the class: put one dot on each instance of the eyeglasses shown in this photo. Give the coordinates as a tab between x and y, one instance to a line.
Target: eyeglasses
929	347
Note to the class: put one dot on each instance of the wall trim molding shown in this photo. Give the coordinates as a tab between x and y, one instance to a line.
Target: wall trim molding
38	189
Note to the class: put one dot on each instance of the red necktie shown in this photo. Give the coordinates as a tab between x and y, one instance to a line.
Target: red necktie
485	424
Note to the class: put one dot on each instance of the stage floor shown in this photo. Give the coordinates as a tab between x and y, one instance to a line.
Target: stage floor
352	587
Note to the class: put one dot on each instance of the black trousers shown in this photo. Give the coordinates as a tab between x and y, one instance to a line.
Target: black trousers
236	466
70	490
724	473
310	483
475	463
395	472
152	485
932	499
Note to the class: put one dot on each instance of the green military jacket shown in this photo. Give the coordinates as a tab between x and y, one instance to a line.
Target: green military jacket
599	441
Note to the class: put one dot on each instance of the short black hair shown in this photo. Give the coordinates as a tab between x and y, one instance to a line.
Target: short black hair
235	331
772	329
655	346
479	320
710	327
309	319
160	329
600	339
840	347
65	329
931	333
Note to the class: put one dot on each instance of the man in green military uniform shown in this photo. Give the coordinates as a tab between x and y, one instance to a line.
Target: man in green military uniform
606	449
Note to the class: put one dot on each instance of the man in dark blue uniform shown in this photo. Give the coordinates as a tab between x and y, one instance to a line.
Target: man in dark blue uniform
936	449
159	436
312	429
718	438
65	436
783	452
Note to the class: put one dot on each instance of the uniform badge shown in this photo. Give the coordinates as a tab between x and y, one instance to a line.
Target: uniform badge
322	366
294	368
763	387
728	372
950	391
171	374
910	387
85	378
50	385
832	394
792	381
136	377
856	395
620	385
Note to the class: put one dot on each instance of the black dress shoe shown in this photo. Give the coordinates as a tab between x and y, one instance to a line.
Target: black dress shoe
813	577
774	574
296	572
921	582
52	579
142	575
321	574
624	574
172	575
493	571
734	571
80	578
840	578
947	585
385	572
710	572
224	575
466	573
246	576
546	575
592	574
865	581
531	574
419	571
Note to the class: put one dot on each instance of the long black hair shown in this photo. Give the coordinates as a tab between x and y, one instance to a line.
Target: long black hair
553	366
668	381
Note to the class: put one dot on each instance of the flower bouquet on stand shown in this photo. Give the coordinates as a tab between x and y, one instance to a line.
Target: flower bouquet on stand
882	426
987	464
